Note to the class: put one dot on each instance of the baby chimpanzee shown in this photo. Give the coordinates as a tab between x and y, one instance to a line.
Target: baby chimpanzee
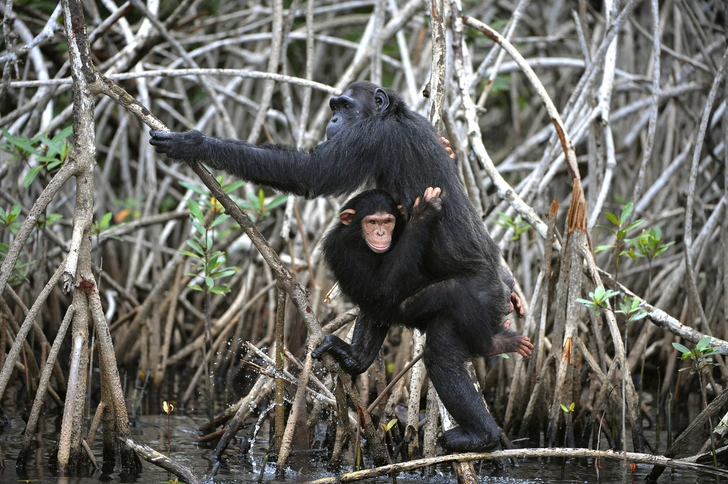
377	260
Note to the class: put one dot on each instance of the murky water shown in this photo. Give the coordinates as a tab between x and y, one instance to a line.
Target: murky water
247	468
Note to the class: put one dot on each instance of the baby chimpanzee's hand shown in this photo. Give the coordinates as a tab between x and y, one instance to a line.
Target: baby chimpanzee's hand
431	203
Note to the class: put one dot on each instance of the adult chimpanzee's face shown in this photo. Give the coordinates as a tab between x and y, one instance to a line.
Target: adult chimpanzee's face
346	110
360	101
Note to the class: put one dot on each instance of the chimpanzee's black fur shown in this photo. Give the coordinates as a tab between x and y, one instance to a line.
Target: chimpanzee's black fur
375	137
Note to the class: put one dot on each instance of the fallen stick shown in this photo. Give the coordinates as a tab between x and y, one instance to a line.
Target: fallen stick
520	454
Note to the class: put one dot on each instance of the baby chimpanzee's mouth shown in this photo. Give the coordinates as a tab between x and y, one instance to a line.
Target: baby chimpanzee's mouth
379	248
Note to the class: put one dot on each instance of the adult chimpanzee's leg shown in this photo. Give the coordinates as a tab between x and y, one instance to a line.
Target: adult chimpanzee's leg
445	357
366	341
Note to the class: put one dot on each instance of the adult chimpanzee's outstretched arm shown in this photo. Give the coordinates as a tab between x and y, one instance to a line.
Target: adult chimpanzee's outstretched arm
356	357
328	170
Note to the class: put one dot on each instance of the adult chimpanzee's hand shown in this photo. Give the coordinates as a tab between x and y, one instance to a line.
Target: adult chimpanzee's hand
179	146
323	347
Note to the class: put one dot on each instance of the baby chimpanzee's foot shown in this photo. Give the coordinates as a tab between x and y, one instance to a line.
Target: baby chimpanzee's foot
459	439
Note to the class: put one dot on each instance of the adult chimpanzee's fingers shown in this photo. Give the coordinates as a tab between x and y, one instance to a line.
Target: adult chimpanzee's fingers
526	347
319	352
159	139
161	134
417	202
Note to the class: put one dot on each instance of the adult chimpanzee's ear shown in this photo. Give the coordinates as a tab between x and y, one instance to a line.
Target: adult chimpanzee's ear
347	216
381	99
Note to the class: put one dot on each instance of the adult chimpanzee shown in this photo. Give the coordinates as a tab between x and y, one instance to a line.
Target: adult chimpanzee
378	265
374	136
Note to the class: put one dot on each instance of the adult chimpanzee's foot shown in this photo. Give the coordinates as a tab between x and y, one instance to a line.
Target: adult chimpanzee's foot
516	305
507	341
459	439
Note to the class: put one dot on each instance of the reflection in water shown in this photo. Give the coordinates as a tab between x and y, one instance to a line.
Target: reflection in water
152	430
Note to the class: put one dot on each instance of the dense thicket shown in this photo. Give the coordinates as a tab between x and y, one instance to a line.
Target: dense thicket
640	91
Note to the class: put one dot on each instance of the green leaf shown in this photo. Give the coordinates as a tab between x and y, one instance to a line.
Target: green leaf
682	349
53	218
30	176
196	247
233	186
199	227
211	266
626	213
198	190
220	219
613	218
64	133
633	225
209	282
196	287
277	201
195	211
226	273
703	343
106	219
639	315
22	144
15	211
190	254
390	424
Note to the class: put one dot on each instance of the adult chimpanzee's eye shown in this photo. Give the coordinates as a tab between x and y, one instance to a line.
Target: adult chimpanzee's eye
347	105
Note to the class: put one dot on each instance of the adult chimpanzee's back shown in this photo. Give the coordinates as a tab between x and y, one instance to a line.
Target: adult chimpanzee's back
374	136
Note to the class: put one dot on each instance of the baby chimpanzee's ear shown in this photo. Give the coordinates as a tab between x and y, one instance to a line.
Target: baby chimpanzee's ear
347	216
